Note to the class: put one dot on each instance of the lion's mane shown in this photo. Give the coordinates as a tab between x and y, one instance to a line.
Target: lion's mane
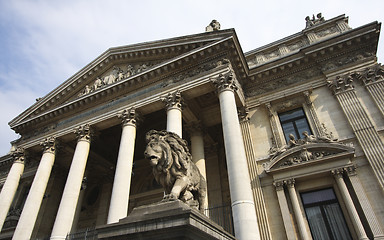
175	162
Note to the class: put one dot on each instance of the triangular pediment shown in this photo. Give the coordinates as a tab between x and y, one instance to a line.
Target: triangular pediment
308	154
123	68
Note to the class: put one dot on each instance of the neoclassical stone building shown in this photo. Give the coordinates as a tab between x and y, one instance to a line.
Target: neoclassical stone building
289	136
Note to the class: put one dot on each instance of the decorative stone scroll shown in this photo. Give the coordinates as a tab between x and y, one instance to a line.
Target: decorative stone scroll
83	133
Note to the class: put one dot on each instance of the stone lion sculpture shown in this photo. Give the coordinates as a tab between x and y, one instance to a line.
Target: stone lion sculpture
173	168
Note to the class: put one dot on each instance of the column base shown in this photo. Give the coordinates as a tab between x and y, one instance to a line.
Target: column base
164	220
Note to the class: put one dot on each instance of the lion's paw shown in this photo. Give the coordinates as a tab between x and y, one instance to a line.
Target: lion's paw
169	197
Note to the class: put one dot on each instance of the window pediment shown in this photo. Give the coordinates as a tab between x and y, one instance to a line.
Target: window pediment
307	154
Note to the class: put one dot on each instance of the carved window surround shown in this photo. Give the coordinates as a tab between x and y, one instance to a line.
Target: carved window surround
303	101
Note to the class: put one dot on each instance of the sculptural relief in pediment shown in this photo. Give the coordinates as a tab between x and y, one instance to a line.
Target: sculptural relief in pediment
301	151
117	73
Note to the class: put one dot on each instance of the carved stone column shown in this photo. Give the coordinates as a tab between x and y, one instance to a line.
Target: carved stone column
373	80
32	205
197	149
258	197
67	207
243	206
175	104
304	234
289	228
364	203
10	186
360	122
118	207
79	203
358	226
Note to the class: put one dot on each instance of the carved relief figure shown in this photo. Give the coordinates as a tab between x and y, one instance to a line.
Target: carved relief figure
117	74
130	71
173	168
98	83
111	78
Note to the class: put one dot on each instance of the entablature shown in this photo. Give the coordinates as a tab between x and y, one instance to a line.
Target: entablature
176	59
352	46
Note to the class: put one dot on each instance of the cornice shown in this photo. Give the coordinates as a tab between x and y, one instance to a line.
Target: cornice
317	57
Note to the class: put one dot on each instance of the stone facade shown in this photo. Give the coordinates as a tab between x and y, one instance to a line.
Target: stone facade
299	117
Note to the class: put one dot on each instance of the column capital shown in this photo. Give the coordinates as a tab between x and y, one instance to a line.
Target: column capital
225	81
268	106
338	172
49	144
372	75
243	113
174	100
307	98
83	133
290	182
129	116
350	170
279	185
18	155
342	84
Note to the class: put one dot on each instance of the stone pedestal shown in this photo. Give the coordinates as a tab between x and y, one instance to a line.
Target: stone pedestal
164	220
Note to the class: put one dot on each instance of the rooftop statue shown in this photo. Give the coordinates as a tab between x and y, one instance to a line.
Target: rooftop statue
213	26
311	22
173	168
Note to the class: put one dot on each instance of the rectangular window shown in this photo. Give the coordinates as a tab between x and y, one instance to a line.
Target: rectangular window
294	122
324	215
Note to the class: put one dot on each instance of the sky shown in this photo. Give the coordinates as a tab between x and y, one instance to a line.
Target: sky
44	42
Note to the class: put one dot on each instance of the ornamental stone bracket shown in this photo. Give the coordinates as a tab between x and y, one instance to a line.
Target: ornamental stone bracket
308	153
